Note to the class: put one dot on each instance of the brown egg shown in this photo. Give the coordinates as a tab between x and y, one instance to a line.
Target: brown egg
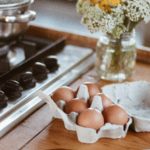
93	88
63	93
115	115
91	118
75	105
105	100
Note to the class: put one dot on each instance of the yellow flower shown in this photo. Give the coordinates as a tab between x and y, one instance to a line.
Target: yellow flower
114	3
95	1
106	5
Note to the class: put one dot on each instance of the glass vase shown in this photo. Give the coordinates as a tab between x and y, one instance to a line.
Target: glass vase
116	57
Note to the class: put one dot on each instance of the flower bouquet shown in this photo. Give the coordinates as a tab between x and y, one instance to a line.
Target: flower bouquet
117	19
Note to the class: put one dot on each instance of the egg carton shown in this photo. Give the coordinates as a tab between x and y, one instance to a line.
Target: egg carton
134	97
85	135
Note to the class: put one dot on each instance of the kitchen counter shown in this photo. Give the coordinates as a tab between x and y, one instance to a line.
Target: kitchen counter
39	131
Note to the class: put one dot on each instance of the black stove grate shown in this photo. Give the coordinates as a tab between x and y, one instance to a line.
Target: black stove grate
34	49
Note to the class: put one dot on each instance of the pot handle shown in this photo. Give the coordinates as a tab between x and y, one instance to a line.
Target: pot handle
26	17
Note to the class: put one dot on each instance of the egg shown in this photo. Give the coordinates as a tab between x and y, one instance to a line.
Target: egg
63	93
106	102
91	118
75	105
93	88
115	115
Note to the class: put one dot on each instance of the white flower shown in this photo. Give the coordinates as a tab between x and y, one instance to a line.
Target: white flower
92	25
138	10
107	23
120	19
118	31
83	6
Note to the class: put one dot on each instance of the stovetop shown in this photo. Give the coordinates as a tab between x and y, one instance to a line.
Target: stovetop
24	51
19	51
34	64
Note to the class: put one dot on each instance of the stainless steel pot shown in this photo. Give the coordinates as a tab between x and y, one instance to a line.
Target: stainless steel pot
14	18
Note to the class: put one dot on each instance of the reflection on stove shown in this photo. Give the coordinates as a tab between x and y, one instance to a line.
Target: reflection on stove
16	56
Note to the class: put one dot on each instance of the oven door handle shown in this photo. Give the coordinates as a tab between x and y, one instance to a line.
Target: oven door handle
22	18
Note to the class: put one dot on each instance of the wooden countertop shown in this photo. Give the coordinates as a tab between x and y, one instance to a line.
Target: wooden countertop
38	132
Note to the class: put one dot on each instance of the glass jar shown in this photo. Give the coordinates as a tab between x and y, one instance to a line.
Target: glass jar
116	57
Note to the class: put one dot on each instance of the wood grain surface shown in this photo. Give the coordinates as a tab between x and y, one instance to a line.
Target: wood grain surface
39	132
50	139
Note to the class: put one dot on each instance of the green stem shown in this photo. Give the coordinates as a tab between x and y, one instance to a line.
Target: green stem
131	25
116	55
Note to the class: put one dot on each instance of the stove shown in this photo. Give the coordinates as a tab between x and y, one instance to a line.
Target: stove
33	63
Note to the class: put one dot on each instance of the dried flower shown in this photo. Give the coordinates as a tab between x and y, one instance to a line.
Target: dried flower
138	10
113	16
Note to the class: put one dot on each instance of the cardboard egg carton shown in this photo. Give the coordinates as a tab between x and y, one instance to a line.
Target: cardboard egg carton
85	135
134	97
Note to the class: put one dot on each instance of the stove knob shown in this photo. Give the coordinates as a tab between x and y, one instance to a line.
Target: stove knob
27	80
12	89
3	100
51	63
39	71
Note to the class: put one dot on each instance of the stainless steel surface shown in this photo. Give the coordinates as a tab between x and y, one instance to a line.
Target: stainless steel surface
26	17
9	4
72	65
14	20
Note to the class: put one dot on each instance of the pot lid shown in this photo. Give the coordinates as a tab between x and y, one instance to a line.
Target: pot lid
13	3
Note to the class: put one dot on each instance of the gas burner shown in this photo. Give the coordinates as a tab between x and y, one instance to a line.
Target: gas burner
51	63
27	80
